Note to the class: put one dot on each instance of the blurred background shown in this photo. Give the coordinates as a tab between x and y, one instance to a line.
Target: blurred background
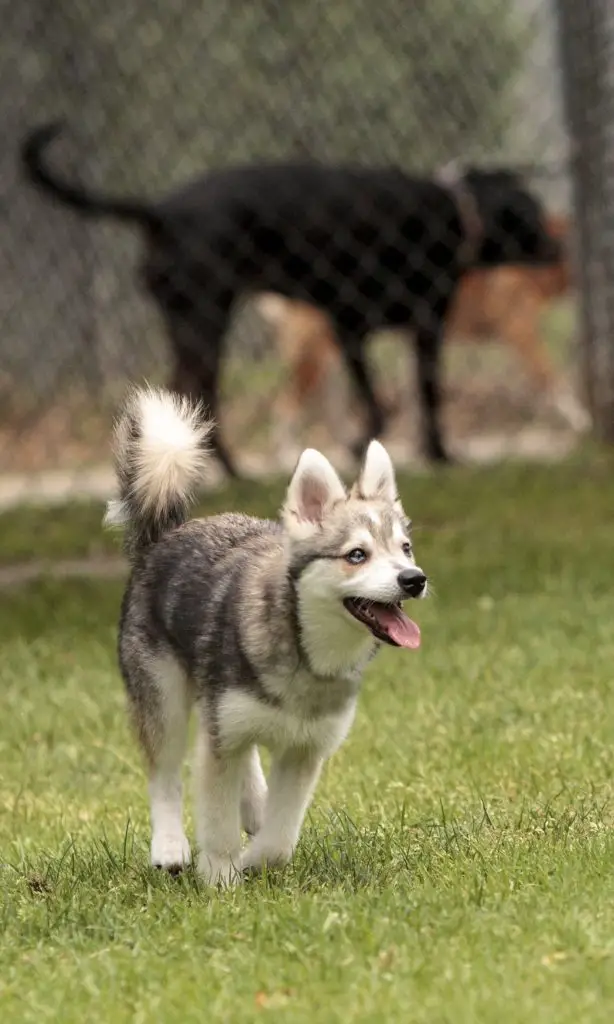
458	860
157	93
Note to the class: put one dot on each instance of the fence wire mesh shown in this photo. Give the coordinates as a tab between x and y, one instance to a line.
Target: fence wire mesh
155	95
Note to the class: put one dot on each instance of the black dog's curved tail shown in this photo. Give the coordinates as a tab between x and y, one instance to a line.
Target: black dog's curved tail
37	170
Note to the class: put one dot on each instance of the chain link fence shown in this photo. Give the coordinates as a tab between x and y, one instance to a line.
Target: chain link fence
154	95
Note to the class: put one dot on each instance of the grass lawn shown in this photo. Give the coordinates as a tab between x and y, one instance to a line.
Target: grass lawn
458	862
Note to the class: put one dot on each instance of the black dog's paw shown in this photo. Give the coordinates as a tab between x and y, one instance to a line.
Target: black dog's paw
440	456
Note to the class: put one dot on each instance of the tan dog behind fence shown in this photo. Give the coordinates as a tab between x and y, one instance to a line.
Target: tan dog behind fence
505	303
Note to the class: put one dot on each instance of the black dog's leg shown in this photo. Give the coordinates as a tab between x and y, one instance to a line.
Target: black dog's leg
197	341
209	395
428	351
376	418
199	380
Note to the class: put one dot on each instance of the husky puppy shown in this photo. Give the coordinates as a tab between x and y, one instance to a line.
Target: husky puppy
264	627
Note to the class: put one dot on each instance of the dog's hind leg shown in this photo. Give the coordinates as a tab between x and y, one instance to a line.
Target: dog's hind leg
520	330
199	380
376	419
306	342
428	351
254	795
160	703
196	326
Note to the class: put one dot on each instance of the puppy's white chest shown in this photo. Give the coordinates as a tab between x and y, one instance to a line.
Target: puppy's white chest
243	718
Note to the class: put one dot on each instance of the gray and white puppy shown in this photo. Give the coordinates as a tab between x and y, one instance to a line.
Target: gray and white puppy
265	628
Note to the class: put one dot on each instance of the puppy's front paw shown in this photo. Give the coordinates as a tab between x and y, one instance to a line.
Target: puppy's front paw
215	870
170	852
257	855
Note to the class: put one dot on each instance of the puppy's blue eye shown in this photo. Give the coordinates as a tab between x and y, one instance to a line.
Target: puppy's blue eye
356	556
407	549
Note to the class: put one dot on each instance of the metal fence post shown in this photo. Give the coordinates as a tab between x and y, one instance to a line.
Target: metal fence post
586	41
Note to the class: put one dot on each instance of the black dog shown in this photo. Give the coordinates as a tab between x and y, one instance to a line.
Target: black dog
373	247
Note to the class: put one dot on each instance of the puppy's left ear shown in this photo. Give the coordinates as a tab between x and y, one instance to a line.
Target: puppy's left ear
376	480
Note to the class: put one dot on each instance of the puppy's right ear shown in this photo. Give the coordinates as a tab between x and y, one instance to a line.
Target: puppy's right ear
314	490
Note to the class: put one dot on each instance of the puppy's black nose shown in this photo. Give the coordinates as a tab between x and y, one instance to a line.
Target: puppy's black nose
412	582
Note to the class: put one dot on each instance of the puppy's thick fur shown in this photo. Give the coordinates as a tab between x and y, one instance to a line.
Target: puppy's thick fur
372	247
264	628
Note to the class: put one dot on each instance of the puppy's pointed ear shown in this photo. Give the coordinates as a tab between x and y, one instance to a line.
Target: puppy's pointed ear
314	490
376	480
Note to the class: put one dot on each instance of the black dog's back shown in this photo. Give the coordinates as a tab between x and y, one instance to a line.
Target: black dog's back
362	243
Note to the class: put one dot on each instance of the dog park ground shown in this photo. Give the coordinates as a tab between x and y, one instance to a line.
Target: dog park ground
458	861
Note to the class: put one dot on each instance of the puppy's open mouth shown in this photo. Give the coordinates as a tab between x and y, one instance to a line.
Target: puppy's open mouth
387	622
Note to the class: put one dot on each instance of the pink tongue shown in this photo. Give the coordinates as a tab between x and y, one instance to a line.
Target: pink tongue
397	625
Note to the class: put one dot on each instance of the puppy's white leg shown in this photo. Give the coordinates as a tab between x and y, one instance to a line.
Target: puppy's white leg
218	784
292	781
254	794
169	847
571	410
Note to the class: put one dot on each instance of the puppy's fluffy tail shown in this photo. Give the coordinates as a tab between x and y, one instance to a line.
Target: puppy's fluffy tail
161	452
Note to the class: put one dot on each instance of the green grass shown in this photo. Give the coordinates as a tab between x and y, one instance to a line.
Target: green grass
458	862
32	533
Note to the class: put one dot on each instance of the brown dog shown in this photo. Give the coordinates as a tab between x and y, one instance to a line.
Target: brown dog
504	303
